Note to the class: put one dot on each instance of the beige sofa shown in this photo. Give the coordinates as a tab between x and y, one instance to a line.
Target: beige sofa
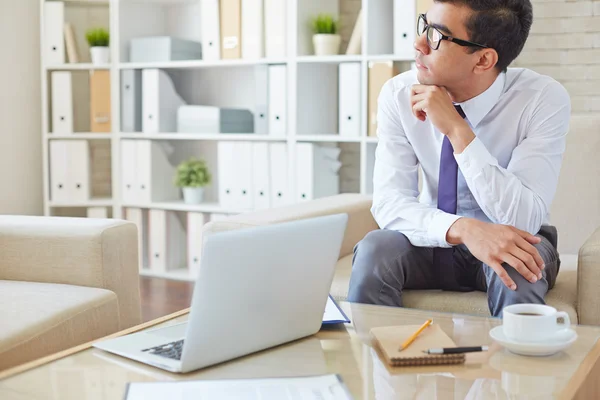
63	282
576	289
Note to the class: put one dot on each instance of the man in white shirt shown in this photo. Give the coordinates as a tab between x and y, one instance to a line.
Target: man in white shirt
489	141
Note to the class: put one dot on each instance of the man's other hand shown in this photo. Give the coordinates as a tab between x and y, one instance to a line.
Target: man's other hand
494	244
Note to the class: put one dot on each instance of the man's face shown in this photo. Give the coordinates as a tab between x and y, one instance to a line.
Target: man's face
450	63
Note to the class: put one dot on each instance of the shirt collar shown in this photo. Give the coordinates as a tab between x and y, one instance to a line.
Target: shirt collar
477	108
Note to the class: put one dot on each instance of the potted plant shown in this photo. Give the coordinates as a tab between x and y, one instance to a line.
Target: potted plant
98	39
192	175
326	39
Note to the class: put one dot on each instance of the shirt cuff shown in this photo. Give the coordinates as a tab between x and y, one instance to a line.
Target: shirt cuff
439	228
473	158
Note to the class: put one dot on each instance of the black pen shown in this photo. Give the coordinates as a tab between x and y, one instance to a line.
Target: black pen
456	350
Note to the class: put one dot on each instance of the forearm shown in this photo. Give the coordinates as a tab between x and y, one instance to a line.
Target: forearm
500	194
422	224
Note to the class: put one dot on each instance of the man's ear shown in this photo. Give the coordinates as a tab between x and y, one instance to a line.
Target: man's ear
486	60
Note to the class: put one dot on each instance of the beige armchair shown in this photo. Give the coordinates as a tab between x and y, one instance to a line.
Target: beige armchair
575	291
63	282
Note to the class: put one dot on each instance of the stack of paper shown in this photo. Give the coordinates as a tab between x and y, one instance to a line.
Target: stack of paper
326	387
210	119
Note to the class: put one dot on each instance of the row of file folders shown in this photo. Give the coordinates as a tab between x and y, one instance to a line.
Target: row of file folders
150	104
250	175
166	242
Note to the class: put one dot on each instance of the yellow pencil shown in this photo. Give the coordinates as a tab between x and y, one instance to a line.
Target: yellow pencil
411	339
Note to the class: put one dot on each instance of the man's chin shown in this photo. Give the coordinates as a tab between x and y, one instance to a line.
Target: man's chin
423	78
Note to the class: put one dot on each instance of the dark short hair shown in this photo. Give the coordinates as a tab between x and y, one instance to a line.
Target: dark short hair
500	24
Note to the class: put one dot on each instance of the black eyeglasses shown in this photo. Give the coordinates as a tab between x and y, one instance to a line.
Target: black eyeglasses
435	37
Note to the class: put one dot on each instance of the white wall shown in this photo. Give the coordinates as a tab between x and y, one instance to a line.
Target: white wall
20	111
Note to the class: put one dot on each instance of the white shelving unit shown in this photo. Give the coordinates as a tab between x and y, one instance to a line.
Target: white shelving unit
312	92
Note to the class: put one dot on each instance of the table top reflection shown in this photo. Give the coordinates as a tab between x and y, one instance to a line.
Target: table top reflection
346	350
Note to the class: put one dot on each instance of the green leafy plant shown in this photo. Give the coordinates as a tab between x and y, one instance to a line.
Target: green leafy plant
97	37
324	24
192	173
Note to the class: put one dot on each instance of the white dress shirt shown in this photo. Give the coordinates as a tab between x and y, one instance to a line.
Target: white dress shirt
507	175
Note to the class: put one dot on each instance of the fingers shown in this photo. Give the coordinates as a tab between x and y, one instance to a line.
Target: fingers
416	89
532	252
503	275
528	236
417	110
528	261
520	267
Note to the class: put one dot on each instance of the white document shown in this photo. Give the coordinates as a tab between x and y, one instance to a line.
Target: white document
325	387
279	171
261	111
195	223
404	27
261	187
54	42
59	167
79	171
275	28
129	187
349	99
131	100
252	29
332	313
211	30
160	102
62	102
243	184
226	173
277	100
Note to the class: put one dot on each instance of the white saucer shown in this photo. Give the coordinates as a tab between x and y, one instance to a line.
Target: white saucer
545	348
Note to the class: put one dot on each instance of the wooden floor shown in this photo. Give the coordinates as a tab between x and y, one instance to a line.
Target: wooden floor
163	296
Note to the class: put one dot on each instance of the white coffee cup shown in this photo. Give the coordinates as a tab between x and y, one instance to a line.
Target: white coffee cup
533	322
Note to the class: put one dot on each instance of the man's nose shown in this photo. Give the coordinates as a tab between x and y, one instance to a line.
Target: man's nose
421	44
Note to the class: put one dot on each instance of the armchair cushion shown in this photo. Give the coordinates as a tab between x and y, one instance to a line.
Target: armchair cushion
39	319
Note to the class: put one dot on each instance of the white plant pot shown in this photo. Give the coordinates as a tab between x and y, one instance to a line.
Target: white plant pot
100	55
326	44
193	195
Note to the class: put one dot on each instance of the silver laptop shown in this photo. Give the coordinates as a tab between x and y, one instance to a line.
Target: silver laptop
257	288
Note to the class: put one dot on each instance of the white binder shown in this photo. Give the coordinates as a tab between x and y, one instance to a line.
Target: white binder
160	102
243	198
54	42
404	27
146	173
226	172
195	223
129	185
277	100
97	212
261	187
275	28
349	99
211	30
139	217
62	102
252	29
79	170
261	111
131	100
167	242
279	171
58	171
316	173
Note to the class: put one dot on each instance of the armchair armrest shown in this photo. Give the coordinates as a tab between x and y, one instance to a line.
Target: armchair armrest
101	253
588	280
360	219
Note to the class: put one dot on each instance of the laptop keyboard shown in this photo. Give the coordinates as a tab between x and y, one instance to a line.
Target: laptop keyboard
169	350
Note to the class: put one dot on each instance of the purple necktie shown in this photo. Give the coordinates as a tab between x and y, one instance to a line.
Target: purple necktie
443	259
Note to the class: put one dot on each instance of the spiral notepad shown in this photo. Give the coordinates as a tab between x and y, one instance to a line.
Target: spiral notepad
389	339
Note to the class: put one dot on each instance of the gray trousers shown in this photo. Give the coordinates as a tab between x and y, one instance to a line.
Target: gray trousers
385	263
